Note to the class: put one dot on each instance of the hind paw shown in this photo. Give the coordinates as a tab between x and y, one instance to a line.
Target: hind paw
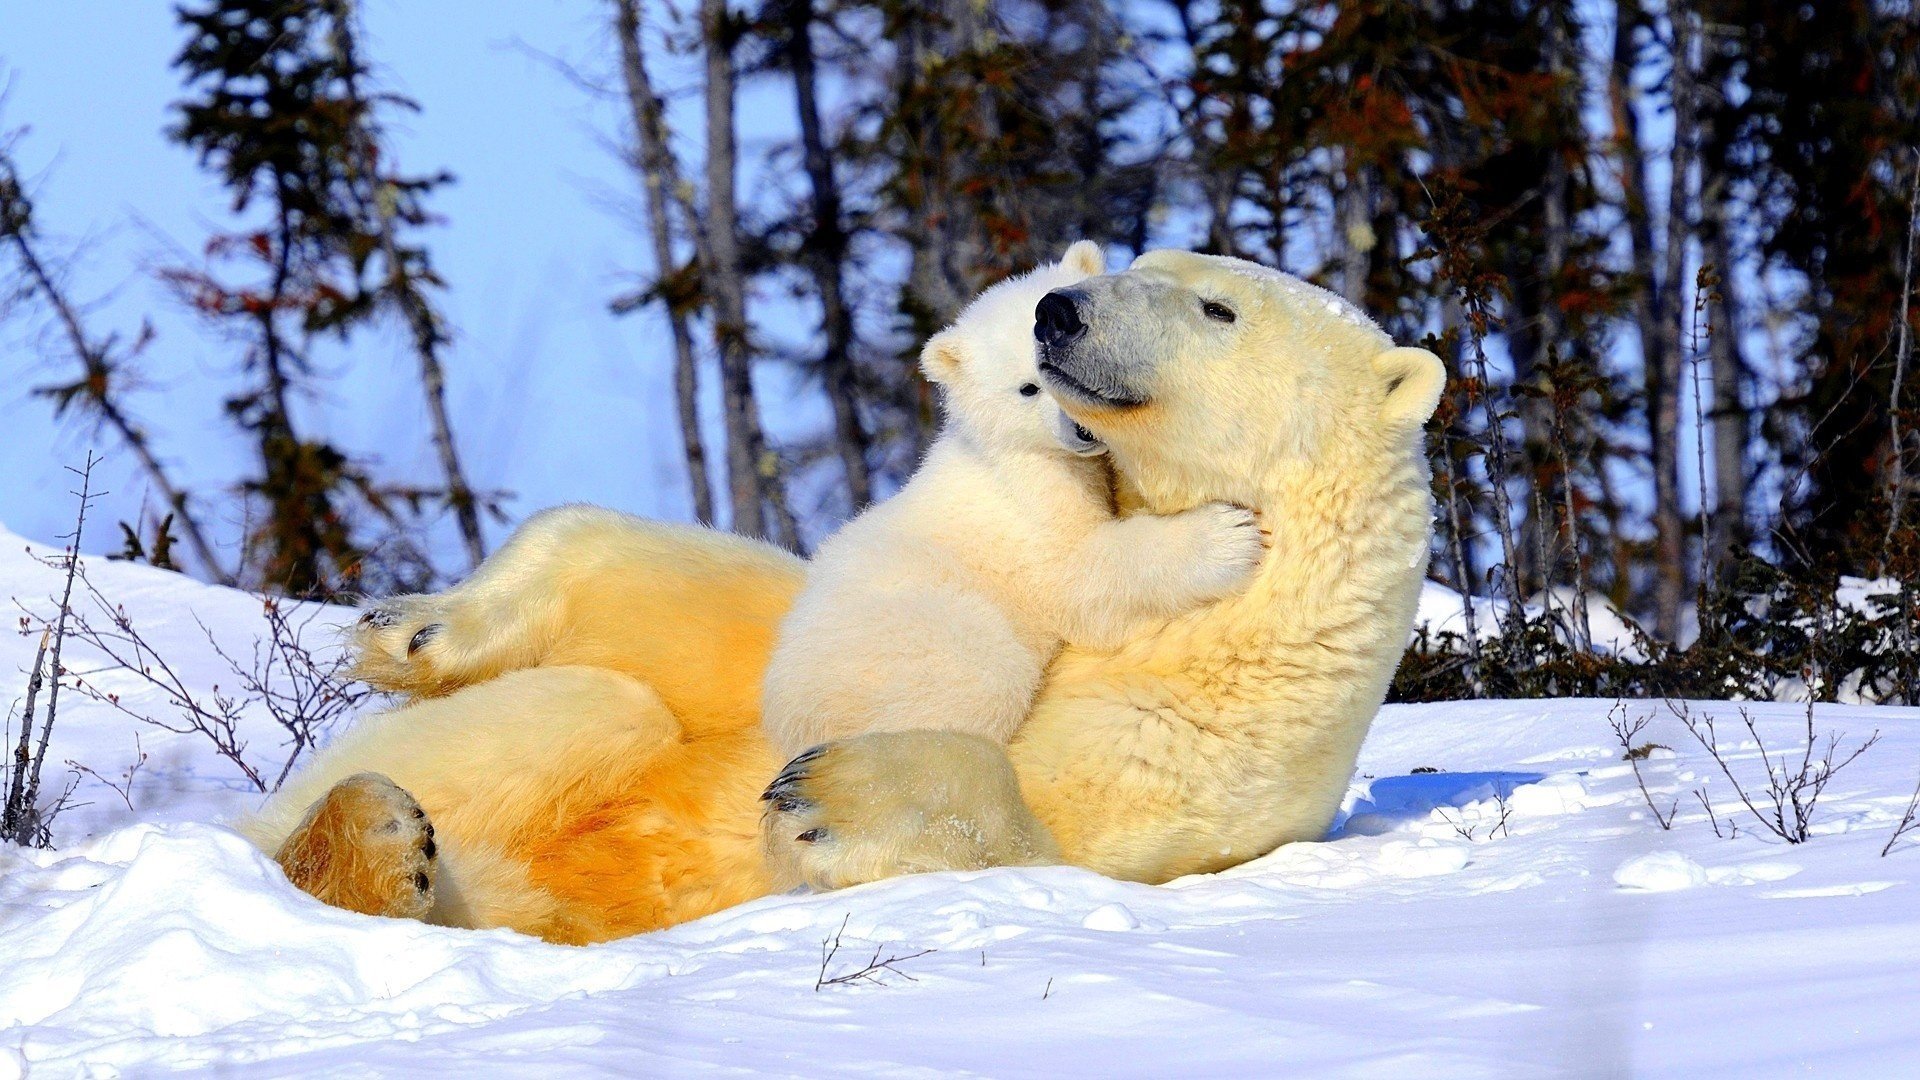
366	846
394	643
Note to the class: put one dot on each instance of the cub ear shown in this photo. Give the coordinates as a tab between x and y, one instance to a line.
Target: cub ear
1414	379
940	360
1085	257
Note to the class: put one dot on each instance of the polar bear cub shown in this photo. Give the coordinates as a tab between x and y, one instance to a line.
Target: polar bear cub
941	607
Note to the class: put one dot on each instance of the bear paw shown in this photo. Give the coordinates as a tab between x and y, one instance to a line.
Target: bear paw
366	846
399	645
1231	545
889	803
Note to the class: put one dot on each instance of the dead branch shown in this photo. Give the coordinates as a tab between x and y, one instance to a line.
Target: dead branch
1792	791
1907	821
23	821
94	389
871	972
660	175
303	694
1625	731
124	786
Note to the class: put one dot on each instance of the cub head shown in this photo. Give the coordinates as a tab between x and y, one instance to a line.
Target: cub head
986	368
1205	375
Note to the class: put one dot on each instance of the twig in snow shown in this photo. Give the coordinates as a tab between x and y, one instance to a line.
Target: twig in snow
303	693
124	787
1908	820
22	820
1625	731
1733	827
1471	832
1793	788
871	972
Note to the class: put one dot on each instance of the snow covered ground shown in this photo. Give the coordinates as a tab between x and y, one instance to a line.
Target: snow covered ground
1421	939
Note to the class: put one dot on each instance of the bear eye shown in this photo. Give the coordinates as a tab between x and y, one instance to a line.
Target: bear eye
1217	311
1029	389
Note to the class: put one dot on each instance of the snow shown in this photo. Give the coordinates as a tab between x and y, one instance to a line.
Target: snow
1518	912
1660	871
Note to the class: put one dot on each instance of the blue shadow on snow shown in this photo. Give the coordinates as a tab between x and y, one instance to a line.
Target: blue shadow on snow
1391	800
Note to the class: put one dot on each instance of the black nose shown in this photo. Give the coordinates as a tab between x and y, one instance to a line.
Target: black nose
1056	320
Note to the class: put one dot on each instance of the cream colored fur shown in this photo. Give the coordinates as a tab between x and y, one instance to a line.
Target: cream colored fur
941	607
1232	729
584	725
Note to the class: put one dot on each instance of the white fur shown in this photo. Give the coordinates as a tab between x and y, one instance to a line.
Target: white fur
1230	729
942	607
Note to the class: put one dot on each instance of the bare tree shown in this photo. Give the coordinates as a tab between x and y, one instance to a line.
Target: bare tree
824	250
1793	788
1655	320
754	481
1624	732
23	821
676	287
303	693
101	366
385	205
1902	357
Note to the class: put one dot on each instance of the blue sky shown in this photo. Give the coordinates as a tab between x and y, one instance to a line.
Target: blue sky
553	397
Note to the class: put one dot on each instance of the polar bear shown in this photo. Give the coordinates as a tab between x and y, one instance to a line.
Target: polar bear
941	607
582	741
1234	728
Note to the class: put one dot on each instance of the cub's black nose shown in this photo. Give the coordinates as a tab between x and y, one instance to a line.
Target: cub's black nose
1056	320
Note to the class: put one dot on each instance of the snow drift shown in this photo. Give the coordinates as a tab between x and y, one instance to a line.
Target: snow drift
1518	912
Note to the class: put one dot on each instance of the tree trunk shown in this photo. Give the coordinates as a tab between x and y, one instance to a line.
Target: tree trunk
825	253
753	474
1669	528
660	177
1356	240
1729	418
1657	324
423	323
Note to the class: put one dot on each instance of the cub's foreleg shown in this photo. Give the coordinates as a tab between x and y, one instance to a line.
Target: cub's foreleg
1149	568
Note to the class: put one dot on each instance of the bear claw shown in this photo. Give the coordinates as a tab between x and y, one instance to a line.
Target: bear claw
427	633
785	803
811	836
781	792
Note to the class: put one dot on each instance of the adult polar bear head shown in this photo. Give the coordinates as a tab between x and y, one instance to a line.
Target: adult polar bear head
1233	728
1206	375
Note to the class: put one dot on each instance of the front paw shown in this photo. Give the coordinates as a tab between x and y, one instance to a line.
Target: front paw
889	803
1229	545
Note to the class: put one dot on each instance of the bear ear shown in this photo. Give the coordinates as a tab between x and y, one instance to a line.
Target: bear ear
940	360
1085	257
1414	379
